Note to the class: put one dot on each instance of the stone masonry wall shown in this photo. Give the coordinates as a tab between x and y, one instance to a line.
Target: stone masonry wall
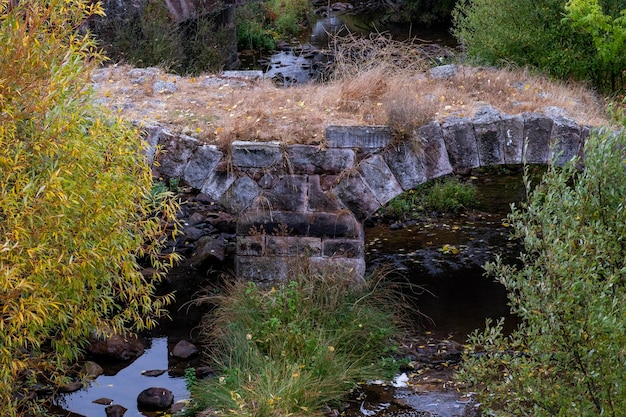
294	201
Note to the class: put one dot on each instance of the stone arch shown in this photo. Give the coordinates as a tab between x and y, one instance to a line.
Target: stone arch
311	200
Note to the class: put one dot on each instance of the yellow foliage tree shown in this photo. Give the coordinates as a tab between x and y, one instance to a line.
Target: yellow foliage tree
76	208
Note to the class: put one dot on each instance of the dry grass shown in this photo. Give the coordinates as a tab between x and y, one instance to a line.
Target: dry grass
374	88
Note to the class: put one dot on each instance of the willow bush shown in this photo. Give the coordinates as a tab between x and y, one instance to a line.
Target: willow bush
568	357
76	209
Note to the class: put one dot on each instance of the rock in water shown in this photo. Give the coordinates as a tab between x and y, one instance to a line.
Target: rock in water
155	399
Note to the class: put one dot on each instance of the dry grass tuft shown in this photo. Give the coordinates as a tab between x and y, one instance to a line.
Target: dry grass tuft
382	84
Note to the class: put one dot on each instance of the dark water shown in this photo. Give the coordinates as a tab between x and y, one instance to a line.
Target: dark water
445	257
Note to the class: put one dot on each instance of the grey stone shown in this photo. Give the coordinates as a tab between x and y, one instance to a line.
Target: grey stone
351	269
294	246
512	130
357	196
406	161
288	194
317	224
319	200
366	138
192	233
245	74
184	350
537	131
255	154
217	184
116	347
250	245
309	159
164	87
262	270
489	141
201	165
177	150
70	387
444	71
91	369
458	135
266	181
207	248
115	410
151	135
346	248
240	195
155	398
565	138
379	178
436	160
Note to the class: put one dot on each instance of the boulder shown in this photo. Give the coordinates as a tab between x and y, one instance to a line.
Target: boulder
184	350
155	399
115	410
116	347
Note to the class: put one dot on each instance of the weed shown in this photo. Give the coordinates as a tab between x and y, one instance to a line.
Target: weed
304	343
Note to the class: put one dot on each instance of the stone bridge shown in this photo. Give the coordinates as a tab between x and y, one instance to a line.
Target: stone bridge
311	200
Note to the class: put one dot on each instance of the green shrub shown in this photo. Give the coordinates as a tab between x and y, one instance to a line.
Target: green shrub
530	34
568	357
76	209
291	349
444	196
252	28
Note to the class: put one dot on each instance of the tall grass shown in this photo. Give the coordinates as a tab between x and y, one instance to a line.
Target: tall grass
294	348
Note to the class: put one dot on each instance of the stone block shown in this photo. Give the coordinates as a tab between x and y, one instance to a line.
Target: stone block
151	135
255	154
512	128
250	245
436	159
263	270
319	200
565	139
217	184
177	150
330	225
309	159
407	164
289	193
240	195
366	138
458	135
489	142
352	269
379	178
293	246
345	248
201	165
357	196
537	131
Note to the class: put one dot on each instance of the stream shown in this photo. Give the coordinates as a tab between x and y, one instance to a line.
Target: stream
457	298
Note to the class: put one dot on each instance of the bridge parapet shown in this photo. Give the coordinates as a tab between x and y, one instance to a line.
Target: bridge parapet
310	200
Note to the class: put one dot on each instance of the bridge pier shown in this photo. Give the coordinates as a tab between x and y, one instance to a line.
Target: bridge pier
295	201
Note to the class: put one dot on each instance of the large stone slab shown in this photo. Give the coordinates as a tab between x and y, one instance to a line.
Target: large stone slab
379	178
566	140
201	165
177	150
365	138
537	131
217	184
406	161
489	142
357	196
320	200
512	128
309	159
264	270
345	248
460	140
240	195
436	159
293	246
289	193
255	154
328	225
351	269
